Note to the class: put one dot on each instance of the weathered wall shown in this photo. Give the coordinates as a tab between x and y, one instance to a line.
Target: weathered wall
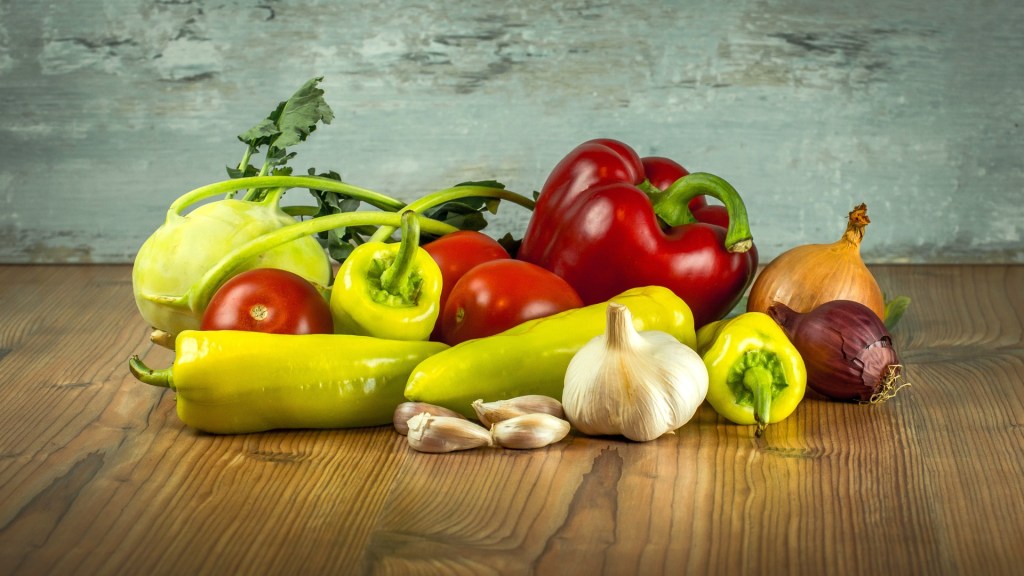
109	109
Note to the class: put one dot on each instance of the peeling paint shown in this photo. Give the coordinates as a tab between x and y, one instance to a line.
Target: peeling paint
113	108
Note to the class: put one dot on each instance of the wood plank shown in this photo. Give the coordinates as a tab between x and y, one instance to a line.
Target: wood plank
97	474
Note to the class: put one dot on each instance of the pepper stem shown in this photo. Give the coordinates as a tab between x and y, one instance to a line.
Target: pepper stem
672	206
162	378
397	274
759	381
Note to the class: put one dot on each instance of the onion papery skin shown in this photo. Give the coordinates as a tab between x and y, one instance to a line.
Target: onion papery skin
848	352
807	276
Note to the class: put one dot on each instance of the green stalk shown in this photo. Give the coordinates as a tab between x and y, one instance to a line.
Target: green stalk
162	378
241	165
672	206
456	192
199	295
397	274
759	381
315	182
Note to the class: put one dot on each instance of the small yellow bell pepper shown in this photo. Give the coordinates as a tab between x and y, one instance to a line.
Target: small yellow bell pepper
235	382
532	358
756	375
388	290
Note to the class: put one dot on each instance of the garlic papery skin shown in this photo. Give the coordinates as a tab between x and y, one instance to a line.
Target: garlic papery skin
529	431
440	434
636	384
406	410
490	413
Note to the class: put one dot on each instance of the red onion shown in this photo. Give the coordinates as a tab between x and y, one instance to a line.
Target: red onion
846	348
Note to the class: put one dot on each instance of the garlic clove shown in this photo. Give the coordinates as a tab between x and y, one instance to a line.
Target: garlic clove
490	413
439	434
406	410
529	431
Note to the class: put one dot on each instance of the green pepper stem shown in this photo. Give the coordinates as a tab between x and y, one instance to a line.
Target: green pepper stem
199	295
455	193
397	274
315	182
759	381
672	206
162	378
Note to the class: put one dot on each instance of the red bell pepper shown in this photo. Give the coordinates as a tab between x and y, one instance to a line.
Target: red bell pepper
604	226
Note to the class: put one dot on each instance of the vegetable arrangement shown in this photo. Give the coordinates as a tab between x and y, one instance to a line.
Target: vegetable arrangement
610	316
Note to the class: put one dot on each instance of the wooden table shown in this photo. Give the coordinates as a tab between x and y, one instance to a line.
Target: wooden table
98	475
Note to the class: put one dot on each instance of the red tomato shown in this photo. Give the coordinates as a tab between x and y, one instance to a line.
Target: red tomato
456	254
497	295
269	300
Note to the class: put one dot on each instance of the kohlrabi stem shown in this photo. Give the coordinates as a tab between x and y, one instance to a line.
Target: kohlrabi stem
397	274
315	182
274	195
201	292
241	165
456	192
672	206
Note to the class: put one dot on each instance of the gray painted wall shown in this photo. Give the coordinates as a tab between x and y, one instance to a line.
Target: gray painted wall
109	109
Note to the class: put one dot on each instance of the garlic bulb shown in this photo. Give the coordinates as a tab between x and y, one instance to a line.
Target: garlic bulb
636	384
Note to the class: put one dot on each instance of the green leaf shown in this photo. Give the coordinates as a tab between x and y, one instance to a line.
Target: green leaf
483	184
298	117
250	170
339	242
262	133
466	213
291	122
894	310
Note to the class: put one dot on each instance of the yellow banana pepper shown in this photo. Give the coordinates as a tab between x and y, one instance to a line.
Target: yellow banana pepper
756	376
234	382
532	358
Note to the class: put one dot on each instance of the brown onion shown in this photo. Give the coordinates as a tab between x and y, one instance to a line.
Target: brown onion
807	276
846	348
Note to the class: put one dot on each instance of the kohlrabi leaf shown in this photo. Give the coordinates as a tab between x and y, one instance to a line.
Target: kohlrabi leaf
291	122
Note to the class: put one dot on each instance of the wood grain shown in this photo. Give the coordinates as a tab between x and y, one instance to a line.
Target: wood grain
98	476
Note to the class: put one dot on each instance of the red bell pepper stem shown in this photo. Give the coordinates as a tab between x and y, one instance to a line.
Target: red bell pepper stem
672	206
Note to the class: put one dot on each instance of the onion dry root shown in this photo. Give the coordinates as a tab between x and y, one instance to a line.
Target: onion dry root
847	350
